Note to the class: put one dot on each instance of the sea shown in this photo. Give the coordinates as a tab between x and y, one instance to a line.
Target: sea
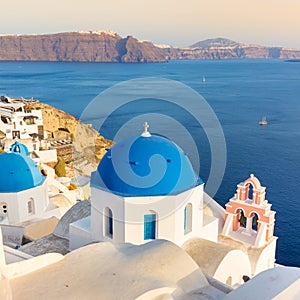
239	93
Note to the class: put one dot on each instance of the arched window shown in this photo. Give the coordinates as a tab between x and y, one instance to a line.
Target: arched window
150	226
250	191
242	218
30	206
108	223
254	221
3	208
188	218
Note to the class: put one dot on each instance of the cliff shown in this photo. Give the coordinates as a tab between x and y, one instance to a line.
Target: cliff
88	145
107	46
221	48
91	46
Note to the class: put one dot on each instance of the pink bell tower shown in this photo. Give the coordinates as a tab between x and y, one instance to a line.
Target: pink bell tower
249	217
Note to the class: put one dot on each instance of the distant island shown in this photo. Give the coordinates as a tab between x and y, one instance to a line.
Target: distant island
108	46
293	60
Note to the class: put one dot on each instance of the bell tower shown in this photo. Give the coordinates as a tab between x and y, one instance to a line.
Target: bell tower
249	217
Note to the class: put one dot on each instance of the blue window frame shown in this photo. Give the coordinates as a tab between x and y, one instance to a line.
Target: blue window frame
150	227
188	218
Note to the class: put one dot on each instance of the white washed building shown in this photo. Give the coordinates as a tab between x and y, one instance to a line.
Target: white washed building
25	188
15	122
144	189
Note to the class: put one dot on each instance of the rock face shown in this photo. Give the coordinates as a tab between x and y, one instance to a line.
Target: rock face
105	46
88	145
136	51
77	46
221	48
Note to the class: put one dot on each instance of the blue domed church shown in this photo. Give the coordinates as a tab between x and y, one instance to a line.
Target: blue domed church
23	188
144	188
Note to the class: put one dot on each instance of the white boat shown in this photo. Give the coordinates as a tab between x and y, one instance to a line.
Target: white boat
203	79
263	121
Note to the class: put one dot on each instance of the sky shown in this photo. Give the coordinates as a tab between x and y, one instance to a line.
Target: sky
174	22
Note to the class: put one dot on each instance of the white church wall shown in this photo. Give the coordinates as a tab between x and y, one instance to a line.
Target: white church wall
128	217
209	231
80	233
9	207
137	207
265	260
17	204
170	216
101	200
233	267
193	197
37	195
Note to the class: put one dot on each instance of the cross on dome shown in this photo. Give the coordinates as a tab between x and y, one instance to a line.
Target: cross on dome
146	133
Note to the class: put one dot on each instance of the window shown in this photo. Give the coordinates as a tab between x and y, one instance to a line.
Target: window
150	227
30	206
188	218
242	218
255	221
15	134
108	223
3	208
250	191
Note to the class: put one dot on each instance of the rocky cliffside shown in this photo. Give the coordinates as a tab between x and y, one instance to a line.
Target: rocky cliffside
221	48
88	145
105	46
92	46
137	51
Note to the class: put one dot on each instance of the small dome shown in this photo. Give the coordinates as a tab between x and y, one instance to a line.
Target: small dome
18	172
19	148
146	165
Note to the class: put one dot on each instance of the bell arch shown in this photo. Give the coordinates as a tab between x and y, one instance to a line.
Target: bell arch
254	215
255	218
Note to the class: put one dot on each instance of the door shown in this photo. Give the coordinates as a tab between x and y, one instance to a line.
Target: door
150	227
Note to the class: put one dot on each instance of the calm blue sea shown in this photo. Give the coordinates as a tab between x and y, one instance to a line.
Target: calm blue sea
239	91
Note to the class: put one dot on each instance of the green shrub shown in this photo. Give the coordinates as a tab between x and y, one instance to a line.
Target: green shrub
60	168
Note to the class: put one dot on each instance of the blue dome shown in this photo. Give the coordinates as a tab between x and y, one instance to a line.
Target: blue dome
18	172
19	148
145	166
